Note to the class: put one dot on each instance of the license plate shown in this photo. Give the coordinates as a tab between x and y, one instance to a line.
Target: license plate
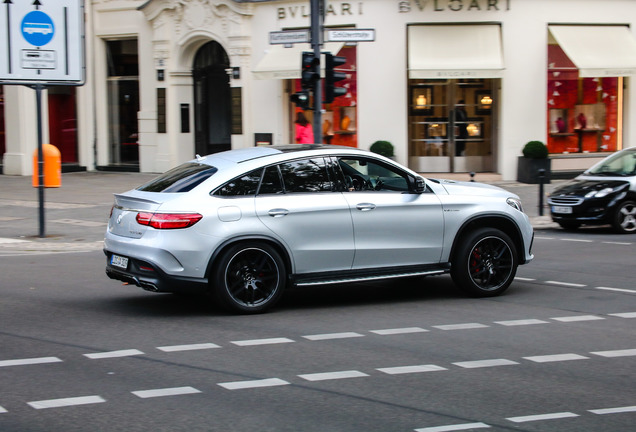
562	209
119	261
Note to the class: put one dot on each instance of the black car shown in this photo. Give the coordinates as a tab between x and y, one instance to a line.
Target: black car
604	194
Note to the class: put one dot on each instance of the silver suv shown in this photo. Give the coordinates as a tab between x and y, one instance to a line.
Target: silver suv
245	224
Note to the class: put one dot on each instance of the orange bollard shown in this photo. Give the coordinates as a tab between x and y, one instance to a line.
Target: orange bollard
52	167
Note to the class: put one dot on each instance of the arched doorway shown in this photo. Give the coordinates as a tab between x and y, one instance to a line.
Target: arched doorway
212	101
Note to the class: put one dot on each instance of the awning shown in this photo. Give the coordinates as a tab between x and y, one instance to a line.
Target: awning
455	51
284	63
598	51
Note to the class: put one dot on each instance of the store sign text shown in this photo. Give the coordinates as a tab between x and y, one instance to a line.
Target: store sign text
337	9
405	6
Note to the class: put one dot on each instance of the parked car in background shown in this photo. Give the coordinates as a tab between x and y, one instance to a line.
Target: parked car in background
245	224
604	194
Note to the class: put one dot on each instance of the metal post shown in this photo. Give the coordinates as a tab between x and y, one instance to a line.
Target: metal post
38	103
541	181
317	9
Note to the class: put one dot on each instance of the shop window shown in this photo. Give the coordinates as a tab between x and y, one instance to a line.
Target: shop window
583	113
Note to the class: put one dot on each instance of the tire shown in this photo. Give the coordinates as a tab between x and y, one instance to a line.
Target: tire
624	220
249	278
570	226
485	263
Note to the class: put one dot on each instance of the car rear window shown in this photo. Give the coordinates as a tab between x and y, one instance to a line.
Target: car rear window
180	179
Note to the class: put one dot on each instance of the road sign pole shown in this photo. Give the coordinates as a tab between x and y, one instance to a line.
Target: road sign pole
38	103
317	8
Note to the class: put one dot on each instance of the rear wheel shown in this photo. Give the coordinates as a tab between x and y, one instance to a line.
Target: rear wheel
625	217
249	278
485	262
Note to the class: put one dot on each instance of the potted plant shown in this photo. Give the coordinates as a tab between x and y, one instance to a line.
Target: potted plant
534	159
383	148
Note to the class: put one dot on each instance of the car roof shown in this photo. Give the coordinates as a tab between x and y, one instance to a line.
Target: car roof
251	153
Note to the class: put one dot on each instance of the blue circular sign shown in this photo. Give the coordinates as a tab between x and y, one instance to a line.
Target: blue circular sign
37	28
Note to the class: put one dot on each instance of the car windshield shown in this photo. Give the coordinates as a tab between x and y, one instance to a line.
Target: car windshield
180	179
620	164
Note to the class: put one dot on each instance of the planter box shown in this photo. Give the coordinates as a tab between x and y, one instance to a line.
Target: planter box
528	170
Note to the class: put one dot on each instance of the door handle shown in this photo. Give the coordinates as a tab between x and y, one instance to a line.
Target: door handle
365	206
278	212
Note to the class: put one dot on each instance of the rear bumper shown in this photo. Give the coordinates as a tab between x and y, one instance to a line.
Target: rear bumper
151	278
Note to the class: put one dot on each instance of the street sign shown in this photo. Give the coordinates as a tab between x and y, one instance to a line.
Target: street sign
289	37
351	35
42	42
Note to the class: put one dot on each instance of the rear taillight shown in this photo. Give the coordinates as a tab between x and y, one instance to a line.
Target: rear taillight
168	220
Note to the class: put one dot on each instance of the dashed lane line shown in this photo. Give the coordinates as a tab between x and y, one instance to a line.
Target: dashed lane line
268	341
174	391
327	336
399	370
114	354
326	376
617	290
241	385
65	402
29	361
540	417
397	331
189	347
616	353
617	410
556	358
455	427
465	326
485	363
577	318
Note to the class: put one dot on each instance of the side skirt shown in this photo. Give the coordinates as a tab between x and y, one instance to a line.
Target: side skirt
366	275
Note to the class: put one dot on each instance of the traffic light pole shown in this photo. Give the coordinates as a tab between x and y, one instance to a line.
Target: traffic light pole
317	9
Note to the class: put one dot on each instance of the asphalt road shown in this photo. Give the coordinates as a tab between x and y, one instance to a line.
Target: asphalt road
557	352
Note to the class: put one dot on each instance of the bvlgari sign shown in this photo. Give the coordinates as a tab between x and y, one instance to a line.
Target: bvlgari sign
405	6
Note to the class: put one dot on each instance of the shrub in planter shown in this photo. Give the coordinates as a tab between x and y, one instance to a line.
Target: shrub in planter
535	158
383	148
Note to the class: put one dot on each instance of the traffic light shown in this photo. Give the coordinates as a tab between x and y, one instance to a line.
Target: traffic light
301	99
310	72
332	77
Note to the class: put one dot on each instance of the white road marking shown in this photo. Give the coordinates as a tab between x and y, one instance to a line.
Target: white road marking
616	410
521	322
174	391
617	289
457	427
113	354
396	331
2	410
551	416
57	403
324	376
190	347
29	361
556	358
625	315
617	243
326	336
240	385
12	240
485	363
268	341
523	279
576	318
411	369
577	240
466	326
568	284
616	353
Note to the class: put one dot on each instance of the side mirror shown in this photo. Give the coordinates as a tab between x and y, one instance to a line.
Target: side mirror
419	185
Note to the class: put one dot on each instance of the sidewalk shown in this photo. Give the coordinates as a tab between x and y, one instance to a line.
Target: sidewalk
76	214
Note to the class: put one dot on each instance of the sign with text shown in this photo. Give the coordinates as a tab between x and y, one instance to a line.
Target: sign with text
42	42
289	37
351	35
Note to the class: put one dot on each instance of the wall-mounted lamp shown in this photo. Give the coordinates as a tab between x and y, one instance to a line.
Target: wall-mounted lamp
472	129
420	101
486	101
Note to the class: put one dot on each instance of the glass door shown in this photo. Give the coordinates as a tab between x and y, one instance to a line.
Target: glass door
452	125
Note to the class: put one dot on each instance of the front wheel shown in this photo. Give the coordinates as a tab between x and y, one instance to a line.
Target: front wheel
485	262
625	217
249	278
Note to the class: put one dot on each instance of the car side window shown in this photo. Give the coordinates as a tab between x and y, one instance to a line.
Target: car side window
271	183
306	175
363	174
242	186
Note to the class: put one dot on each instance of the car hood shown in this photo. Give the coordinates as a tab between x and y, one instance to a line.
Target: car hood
454	187
583	187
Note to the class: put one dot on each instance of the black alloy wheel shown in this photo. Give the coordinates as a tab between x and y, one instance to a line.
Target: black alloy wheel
625	217
250	278
485	263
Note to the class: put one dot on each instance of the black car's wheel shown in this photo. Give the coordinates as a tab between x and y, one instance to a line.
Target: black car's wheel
485	262
625	217
249	278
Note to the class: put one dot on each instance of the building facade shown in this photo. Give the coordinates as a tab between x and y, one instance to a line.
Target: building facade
454	85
